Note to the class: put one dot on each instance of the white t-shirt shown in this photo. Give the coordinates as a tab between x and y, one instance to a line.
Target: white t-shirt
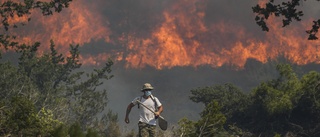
146	116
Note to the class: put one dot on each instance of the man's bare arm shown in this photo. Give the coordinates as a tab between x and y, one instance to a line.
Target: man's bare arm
160	109
128	112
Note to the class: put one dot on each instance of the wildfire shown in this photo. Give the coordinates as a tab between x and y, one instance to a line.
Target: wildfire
184	37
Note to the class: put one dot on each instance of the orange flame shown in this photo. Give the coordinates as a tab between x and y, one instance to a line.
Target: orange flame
190	47
184	38
75	25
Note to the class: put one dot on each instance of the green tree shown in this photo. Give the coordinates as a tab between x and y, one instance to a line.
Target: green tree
211	122
76	131
186	128
16	94
20	118
305	117
58	91
14	83
69	94
73	130
233	103
231	99
60	131
279	96
273	102
107	124
284	106
288	11
51	82
221	102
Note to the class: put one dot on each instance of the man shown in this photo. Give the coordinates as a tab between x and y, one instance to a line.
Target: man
148	119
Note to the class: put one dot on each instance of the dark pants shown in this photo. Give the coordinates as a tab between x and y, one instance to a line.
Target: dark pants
146	130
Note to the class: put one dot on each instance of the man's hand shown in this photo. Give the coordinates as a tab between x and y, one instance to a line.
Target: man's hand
160	109
157	113
127	120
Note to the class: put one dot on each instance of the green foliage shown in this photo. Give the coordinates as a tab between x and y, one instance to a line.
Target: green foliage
59	87
277	135
107	124
58	92
285	104
76	131
113	128
210	124
73	130
49	83
307	112
231	99
212	120
60	131
92	133
14	83
273	101
235	131
278	107
311	86
20	117
279	96
47	121
186	128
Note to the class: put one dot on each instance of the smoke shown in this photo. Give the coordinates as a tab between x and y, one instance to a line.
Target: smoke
176	45
173	86
167	34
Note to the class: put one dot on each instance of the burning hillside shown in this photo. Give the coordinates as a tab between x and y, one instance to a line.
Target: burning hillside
168	33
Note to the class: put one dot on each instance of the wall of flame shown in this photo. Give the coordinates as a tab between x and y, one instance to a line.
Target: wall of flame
166	34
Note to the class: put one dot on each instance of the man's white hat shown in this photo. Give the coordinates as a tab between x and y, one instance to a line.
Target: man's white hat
147	86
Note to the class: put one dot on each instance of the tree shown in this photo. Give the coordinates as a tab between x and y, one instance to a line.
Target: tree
273	102
54	77
288	11
107	125
186	128
20	117
210	124
57	90
280	95
306	115
284	106
231	99
73	130
51	82
223	103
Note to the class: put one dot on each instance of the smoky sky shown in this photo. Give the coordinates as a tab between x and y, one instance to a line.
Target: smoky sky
173	86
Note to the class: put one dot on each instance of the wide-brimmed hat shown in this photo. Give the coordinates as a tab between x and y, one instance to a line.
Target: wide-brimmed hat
147	86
